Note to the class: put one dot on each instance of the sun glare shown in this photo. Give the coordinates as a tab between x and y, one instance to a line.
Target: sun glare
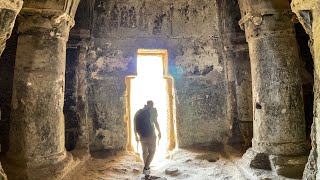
150	84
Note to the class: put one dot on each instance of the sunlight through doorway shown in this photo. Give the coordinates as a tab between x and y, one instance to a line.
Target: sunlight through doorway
152	83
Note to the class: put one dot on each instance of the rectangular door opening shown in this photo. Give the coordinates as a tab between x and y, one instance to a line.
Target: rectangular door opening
152	83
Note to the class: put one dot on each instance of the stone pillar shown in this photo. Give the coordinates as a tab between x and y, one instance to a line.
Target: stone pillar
239	73
82	105
80	40
37	148
279	126
8	13
308	13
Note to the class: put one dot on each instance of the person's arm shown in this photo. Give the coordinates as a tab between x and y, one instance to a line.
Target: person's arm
135	127
157	124
158	128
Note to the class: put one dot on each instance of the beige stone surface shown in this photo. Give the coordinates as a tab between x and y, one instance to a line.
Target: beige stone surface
308	15
226	90
3	176
190	164
9	10
37	139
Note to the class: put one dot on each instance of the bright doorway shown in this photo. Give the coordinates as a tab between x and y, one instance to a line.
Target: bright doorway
152	83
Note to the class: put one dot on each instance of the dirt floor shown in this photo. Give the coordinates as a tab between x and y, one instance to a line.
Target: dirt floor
190	164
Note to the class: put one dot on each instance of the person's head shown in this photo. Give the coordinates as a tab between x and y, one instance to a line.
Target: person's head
150	104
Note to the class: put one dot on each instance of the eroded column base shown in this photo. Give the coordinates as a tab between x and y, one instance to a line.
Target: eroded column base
284	149
261	165
57	171
291	167
3	176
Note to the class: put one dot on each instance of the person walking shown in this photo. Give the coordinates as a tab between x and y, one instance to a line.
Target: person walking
145	122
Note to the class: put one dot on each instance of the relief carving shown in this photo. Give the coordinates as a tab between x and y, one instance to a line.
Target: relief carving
143	18
115	17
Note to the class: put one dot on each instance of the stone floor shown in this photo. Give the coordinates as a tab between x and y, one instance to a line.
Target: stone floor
191	165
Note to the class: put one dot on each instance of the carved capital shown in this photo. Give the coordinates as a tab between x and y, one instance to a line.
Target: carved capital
8	13
267	22
308	14
306	11
14	5
298	5
53	19
49	26
54	11
56	7
257	17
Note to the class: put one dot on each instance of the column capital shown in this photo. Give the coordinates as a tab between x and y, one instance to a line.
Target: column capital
297	5
37	19
57	19
8	13
267	22
14	5
56	7
305	11
256	17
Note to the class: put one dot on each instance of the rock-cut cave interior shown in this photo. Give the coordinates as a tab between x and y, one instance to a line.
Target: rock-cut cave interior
233	86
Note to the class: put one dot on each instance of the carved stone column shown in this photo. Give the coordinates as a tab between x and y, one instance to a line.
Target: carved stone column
279	140
37	148
308	12
8	13
82	105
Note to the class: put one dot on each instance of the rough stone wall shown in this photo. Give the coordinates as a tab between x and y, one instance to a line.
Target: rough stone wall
7	62
308	15
189	31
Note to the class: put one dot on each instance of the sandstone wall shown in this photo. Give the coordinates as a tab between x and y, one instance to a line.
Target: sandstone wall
189	31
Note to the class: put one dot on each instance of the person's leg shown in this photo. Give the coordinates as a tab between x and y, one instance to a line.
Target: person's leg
152	142
144	145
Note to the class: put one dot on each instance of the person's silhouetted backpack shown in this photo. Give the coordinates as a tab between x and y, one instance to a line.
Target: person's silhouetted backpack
143	124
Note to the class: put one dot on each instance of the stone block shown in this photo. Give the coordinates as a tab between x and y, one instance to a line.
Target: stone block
257	160
291	167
